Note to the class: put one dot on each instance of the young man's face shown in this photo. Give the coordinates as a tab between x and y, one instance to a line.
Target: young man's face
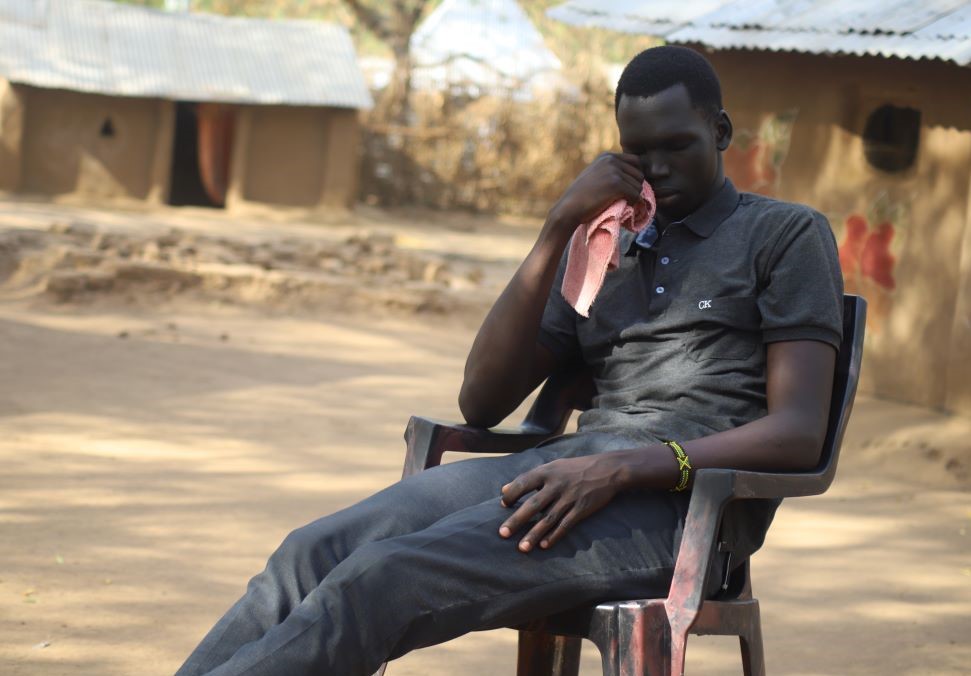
679	148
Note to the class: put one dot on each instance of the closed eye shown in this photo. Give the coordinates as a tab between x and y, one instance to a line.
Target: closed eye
671	146
677	146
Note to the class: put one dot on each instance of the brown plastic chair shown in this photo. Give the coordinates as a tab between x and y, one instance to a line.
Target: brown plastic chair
648	636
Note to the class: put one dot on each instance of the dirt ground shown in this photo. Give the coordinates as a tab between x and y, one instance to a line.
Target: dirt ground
181	389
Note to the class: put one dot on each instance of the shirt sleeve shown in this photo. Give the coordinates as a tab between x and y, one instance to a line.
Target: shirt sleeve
801	295
558	328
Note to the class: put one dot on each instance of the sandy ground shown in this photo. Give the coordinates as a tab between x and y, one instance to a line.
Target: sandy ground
170	413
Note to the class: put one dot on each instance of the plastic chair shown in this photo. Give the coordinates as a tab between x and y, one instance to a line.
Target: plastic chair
648	636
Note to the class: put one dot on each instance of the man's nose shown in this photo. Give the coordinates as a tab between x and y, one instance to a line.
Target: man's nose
654	165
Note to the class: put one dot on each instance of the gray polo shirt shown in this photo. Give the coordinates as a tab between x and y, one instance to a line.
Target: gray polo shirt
676	336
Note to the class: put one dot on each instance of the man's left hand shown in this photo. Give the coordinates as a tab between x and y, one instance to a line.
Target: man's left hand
566	491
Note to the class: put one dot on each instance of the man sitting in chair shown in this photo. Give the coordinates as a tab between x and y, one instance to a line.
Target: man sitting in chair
712	344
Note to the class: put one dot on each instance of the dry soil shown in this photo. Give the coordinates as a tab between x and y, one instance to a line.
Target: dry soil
181	389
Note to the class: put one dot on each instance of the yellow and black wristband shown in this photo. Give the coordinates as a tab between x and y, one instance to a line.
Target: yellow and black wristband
684	465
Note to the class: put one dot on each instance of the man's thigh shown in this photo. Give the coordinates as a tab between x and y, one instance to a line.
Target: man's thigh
459	575
421	500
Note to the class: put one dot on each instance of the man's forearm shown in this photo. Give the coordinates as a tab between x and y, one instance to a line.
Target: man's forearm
501	369
789	439
780	442
505	363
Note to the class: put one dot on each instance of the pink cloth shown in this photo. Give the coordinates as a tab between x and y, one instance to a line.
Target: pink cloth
595	248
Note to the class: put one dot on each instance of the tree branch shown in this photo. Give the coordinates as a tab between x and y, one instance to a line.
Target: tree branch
416	12
373	21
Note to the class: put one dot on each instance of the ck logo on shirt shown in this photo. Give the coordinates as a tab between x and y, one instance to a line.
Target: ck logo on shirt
704	304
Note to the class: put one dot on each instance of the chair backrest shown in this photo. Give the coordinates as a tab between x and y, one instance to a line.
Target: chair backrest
845	381
572	389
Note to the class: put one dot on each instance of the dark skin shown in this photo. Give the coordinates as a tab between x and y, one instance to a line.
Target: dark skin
677	149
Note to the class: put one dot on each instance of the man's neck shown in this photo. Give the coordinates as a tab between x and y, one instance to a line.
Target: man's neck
662	221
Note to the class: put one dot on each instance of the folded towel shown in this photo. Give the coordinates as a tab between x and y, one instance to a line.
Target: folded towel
595	248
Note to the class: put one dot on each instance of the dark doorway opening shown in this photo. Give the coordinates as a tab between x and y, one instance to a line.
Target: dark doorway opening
186	187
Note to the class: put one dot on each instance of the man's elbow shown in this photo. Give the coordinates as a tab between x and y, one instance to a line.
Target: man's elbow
805	447
474	410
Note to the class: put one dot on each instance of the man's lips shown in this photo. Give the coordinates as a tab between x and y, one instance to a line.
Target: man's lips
664	193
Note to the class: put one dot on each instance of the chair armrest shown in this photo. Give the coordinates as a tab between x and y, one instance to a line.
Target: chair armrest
776	485
428	439
713	489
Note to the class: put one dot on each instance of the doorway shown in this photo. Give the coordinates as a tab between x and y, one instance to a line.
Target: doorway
186	182
201	154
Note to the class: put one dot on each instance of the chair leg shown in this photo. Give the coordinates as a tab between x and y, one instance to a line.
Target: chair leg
644	642
738	618
678	647
750	641
545	654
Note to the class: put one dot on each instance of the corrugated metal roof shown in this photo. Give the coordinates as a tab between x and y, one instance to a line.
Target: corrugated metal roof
108	48
930	29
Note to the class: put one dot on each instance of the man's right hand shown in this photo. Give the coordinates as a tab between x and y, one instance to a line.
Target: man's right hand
610	177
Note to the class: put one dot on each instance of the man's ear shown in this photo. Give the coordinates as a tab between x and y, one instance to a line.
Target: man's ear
723	130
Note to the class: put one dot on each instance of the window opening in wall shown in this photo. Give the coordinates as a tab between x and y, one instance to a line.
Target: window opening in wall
107	128
891	137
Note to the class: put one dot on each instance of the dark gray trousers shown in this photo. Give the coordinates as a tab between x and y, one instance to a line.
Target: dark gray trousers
421	562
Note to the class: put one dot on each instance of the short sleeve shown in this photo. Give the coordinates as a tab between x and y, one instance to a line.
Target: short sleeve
558	329
801	296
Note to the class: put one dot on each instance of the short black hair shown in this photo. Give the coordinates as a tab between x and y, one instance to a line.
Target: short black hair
660	68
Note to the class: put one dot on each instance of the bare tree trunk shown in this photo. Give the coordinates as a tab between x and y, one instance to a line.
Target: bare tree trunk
394	23
395	26
395	104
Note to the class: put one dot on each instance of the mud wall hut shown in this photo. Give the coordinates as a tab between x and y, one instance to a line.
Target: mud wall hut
860	110
107	102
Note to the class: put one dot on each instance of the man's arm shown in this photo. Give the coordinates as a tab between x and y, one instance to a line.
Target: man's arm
507	362
799	382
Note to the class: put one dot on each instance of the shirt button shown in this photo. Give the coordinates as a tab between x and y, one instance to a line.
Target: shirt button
665	260
659	289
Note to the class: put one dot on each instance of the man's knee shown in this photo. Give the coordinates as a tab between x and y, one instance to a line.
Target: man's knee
301	560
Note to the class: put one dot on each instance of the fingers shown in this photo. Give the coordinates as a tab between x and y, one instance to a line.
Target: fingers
519	486
555	497
631	165
632	187
551	526
547	523
548	504
533	506
566	523
629	173
625	164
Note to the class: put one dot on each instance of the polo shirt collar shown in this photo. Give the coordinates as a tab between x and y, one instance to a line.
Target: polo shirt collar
702	222
713	213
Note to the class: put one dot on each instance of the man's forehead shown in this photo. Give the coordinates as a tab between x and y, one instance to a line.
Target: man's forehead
668	111
674	98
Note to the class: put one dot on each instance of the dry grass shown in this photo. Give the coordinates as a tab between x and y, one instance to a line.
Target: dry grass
488	154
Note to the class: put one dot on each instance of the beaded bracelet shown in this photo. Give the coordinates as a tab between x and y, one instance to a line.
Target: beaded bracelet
684	465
